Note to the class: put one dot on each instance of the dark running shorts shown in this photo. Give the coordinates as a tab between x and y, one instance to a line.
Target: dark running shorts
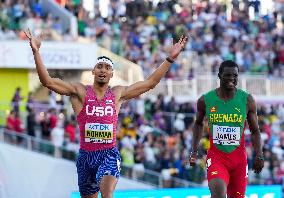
93	165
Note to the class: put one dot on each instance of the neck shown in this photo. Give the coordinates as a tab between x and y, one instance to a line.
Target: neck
225	93
100	87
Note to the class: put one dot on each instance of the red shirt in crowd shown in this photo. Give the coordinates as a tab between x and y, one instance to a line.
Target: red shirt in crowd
53	121
18	125
70	130
10	122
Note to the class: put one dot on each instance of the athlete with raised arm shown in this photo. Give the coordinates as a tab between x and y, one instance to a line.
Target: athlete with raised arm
97	107
226	109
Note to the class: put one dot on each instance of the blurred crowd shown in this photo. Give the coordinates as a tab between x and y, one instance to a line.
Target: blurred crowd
18	15
47	121
155	134
141	31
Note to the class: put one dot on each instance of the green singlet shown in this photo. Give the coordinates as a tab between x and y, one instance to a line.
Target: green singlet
226	119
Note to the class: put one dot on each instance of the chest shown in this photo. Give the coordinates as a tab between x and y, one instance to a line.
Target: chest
103	108
228	113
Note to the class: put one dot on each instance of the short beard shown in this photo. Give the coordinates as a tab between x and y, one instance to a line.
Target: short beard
101	83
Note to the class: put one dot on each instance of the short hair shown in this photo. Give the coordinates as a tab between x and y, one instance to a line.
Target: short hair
100	57
227	63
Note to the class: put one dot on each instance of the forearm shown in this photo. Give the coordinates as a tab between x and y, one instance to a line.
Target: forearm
159	73
41	70
197	135
256	143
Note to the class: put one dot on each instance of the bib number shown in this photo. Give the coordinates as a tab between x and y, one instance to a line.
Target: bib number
98	133
226	135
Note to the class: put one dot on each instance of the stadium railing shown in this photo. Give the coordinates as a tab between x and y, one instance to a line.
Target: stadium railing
70	152
258	85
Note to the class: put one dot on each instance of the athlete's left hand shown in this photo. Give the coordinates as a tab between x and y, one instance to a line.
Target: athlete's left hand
193	158
35	42
175	50
258	164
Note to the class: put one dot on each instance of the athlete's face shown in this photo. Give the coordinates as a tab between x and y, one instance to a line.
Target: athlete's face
229	78
102	72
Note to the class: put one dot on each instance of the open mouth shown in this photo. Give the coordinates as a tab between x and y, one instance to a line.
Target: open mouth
102	77
231	83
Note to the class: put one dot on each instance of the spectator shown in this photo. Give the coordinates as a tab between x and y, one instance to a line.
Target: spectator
53	119
18	124
139	158
70	131
10	122
17	99
57	136
18	127
52	100
127	156
31	122
179	123
30	102
45	127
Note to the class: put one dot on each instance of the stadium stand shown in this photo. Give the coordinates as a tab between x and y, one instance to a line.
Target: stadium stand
136	30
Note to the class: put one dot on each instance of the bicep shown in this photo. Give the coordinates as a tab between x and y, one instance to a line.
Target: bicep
59	86
201	111
135	89
252	115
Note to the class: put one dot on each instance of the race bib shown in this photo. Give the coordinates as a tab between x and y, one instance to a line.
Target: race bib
226	135
98	133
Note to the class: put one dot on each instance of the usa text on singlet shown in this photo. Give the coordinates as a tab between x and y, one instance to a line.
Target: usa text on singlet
97	121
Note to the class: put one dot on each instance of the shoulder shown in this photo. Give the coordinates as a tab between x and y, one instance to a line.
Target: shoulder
201	103
212	91
251	104
243	92
80	88
117	90
80	85
201	99
250	99
209	94
246	95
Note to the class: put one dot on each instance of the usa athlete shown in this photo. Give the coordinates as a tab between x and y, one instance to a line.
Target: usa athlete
97	107
226	109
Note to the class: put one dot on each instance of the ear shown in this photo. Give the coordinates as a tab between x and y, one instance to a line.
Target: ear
93	72
111	74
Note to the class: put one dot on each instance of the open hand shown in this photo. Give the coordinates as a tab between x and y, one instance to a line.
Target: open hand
35	42
175	50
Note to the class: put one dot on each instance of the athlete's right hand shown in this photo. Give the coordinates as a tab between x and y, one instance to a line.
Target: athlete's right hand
192	158
35	42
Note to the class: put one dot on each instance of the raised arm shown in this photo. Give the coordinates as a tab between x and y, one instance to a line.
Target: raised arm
197	129
141	87
255	134
53	84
